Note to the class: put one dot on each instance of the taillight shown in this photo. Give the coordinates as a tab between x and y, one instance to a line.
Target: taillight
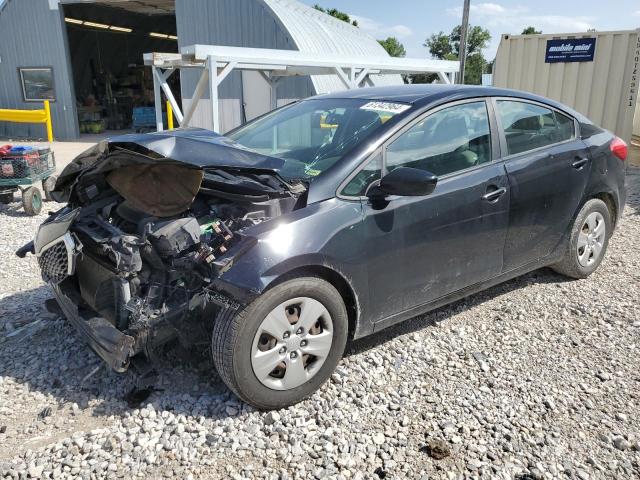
619	148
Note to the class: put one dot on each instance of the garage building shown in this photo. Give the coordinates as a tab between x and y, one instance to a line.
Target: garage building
86	56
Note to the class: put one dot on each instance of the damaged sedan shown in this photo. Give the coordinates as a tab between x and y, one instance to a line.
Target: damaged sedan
328	219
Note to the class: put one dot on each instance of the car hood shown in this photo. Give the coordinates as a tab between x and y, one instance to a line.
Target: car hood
178	154
198	147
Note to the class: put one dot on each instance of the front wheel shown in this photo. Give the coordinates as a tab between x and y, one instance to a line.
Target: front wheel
284	345
588	242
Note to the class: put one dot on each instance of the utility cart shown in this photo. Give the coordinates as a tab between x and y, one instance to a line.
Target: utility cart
20	169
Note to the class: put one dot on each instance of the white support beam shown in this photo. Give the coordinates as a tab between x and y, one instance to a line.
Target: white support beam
197	95
443	78
222	74
157	99
162	78
343	76
212	66
361	76
217	62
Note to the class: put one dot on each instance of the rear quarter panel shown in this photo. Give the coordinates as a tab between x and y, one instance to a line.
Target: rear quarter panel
607	172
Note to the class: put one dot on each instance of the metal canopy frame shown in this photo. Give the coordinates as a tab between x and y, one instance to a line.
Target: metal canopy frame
217	62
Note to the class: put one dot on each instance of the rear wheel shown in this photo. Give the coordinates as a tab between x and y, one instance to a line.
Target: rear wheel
588	242
284	345
32	201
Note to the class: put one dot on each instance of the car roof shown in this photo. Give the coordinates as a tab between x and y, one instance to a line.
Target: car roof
425	94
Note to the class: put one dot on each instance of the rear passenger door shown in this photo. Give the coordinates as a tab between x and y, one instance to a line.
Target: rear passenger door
548	169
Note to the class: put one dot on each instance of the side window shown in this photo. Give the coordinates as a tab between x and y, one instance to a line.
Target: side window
528	126
566	127
449	140
371	172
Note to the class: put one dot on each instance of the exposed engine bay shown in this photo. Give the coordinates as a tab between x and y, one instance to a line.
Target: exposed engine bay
140	241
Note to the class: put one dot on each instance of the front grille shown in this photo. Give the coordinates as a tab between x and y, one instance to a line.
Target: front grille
54	263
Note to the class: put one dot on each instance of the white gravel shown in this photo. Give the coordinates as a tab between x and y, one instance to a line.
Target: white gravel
536	378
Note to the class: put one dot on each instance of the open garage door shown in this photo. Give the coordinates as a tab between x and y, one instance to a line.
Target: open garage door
107	40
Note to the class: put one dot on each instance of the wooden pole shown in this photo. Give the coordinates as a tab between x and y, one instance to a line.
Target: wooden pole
463	39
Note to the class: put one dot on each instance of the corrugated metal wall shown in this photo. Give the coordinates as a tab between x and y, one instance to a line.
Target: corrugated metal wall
636	119
604	90
236	23
33	35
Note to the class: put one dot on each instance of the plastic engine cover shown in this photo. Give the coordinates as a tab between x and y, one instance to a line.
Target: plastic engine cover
175	236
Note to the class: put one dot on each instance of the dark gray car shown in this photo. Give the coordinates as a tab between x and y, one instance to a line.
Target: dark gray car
328	219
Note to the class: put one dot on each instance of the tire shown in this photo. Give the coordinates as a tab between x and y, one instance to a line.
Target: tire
571	265
237	335
32	201
48	184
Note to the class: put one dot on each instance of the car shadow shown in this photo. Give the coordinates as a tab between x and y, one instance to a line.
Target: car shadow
432	318
16	210
43	352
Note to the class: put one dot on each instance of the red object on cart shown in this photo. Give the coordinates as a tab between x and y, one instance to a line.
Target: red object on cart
4	149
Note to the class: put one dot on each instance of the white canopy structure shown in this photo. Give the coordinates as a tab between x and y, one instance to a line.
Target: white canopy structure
217	62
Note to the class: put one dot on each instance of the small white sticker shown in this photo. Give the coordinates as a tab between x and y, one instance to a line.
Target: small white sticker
385	107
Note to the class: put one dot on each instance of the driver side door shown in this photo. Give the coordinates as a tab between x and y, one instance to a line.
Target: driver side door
426	247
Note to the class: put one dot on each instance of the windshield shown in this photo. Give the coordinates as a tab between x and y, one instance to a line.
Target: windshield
314	134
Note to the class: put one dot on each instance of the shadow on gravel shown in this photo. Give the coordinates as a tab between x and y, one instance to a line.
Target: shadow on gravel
441	314
15	209
633	196
43	352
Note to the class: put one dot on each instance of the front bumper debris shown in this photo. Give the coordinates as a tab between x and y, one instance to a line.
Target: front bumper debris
110	344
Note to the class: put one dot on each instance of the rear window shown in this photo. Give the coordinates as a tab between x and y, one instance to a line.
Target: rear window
528	126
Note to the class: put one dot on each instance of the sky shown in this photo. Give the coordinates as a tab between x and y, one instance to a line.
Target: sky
412	21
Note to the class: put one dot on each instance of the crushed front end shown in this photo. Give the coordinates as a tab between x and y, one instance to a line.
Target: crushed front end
132	256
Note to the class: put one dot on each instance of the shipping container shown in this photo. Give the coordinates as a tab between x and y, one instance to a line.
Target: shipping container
601	84
636	120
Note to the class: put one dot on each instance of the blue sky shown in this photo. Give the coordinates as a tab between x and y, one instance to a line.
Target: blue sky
412	21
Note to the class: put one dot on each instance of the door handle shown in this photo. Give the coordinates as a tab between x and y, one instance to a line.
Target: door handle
494	195
579	163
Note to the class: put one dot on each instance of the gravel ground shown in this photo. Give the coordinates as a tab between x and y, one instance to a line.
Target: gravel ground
535	378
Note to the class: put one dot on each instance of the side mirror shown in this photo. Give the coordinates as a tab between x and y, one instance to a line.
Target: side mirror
407	182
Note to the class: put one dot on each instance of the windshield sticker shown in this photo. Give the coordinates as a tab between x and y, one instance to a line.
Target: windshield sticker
385	107
311	171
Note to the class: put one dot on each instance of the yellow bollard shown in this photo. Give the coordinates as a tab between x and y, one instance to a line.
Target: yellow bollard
169	116
47	110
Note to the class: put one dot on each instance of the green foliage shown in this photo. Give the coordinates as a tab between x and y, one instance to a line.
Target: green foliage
439	45
477	39
393	47
447	47
334	12
474	68
531	31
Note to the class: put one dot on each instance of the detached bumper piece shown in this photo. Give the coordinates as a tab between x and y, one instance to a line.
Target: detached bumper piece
110	344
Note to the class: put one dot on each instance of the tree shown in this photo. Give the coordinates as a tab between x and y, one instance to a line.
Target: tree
439	45
531	31
334	12
447	47
477	39
393	47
